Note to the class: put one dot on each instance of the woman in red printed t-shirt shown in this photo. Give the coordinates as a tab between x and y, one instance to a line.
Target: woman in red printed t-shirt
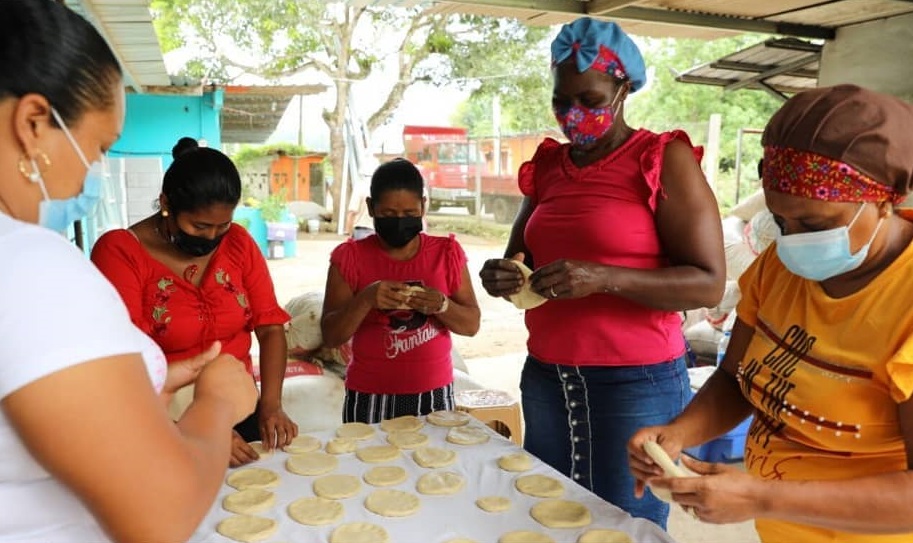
623	232
190	278
398	295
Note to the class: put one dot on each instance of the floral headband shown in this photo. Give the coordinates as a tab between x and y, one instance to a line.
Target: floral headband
817	177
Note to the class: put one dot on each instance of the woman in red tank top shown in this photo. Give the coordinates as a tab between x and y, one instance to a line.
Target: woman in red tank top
398	295
623	232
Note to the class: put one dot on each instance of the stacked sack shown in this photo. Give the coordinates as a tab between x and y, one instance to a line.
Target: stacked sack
747	232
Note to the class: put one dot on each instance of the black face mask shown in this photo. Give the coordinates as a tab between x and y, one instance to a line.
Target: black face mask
397	231
195	245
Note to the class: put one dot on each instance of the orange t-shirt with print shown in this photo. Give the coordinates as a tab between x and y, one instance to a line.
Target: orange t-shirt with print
825	376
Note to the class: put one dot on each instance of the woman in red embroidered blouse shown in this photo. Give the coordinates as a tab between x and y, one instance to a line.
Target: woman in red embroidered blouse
190	278
399	294
624	232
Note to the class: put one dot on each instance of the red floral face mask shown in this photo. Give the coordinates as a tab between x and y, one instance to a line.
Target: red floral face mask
584	126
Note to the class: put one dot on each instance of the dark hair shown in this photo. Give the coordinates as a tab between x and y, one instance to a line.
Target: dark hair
398	174
200	177
47	49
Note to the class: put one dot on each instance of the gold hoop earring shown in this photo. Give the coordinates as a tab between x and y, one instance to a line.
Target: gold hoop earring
30	169
164	213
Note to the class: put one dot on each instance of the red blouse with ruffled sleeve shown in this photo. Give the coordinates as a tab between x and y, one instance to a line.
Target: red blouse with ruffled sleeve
235	295
603	213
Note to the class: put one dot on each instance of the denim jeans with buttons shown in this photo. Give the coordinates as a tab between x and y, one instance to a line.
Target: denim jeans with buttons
579	420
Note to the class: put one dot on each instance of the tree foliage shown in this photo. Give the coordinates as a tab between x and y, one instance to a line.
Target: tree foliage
343	43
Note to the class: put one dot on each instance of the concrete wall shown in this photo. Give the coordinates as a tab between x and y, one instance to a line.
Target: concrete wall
875	55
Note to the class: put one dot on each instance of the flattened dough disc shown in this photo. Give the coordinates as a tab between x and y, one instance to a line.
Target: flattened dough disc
392	503
355	430
246	528
434	457
448	418
359	532
526	298
315	511
312	463
406	423
302	444
385	476
440	483
253	478
602	535
540	486
561	514
248	502
337	486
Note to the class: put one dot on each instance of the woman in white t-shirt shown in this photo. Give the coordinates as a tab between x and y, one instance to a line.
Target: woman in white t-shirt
87	451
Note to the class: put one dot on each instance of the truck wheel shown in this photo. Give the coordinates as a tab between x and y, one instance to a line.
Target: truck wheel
501	210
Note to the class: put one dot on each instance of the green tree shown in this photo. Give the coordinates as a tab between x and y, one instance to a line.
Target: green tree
276	39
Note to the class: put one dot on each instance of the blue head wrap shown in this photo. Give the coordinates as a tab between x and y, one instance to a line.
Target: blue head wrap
583	37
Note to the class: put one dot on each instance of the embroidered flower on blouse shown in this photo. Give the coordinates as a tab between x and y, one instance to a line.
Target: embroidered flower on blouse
160	316
224	279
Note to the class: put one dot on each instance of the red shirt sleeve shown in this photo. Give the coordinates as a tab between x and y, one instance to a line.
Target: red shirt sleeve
526	176
258	283
116	255
343	257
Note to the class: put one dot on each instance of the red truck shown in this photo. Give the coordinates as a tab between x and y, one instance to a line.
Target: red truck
446	160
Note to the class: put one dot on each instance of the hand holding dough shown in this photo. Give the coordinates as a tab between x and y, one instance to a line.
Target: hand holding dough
527	298
670	469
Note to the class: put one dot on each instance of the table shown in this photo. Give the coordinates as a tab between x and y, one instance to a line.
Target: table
440	518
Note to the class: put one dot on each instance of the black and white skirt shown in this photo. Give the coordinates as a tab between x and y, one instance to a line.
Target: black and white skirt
373	408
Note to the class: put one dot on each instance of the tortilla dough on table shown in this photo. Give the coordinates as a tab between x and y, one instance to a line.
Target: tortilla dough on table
315	511
341	445
355	430
392	503
246	528
434	457
561	514
527	298
540	486
312	463
601	535
252	478
525	536
248	502
493	504
302	444
376	454
468	435
440	483
517	462
407	440
407	423
448	418
385	476
359	532
337	487
260	449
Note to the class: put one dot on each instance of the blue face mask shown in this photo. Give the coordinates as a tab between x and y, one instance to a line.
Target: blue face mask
58	215
818	256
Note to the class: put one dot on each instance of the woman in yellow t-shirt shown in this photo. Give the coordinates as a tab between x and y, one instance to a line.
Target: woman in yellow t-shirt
822	351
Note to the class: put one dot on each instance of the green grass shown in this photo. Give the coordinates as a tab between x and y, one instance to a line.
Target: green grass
469	226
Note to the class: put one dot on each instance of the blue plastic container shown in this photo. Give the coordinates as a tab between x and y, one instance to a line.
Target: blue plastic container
729	447
253	221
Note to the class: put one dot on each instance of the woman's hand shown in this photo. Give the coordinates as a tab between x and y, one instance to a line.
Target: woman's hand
429	301
226	379
644	469
276	429
185	372
723	495
501	277
569	279
386	295
241	452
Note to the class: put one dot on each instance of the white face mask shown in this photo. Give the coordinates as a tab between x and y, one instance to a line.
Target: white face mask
818	256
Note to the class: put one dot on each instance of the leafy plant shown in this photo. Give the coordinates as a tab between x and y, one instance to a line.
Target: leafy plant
251	153
274	206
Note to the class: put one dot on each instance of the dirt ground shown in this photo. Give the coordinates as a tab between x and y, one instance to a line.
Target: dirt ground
494	356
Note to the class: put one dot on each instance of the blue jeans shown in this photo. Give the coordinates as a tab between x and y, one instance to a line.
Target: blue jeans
579	420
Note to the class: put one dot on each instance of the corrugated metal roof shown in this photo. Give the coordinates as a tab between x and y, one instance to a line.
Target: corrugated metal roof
250	114
127	25
817	19
779	66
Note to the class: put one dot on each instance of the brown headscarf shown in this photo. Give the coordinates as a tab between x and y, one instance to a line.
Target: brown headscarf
861	132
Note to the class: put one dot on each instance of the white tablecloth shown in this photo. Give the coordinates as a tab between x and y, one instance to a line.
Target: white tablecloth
440	518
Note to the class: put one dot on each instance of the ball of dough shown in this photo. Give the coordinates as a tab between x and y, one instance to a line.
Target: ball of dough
253	478
248	502
434	457
540	486
392	503
246	528
337	487
385	476
493	504
448	418
302	444
355	430
561	514
315	511
408	423
359	532
312	463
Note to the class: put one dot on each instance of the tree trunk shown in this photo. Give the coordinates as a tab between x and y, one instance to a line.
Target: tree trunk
337	152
